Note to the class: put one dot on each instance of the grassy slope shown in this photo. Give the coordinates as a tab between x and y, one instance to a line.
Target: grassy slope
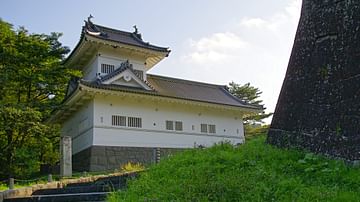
252	172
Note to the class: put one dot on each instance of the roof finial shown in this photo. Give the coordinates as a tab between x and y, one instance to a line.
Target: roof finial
89	18
136	29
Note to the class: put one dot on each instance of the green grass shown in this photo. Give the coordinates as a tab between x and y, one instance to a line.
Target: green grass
252	172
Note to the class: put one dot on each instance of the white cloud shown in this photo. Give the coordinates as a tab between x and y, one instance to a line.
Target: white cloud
254	50
215	48
250	33
253	22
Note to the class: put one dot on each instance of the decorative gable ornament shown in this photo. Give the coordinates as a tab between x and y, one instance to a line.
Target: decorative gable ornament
91	29
124	76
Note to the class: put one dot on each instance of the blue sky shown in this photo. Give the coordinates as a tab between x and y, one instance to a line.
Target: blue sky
211	40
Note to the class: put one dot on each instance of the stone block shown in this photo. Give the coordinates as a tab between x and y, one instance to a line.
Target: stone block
66	157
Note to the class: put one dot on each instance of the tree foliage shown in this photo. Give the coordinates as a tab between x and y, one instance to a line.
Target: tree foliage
250	95
31	72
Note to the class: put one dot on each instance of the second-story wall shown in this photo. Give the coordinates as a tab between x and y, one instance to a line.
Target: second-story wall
107	60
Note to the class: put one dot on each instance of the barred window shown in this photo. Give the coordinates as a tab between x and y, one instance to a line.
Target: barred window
107	68
139	73
118	120
178	125
203	128
134	122
212	129
169	125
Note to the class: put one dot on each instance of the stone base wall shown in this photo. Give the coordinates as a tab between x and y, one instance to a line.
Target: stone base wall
319	104
81	160
102	158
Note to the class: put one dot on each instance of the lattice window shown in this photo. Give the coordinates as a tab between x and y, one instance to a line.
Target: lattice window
139	73
178	125
169	125
107	68
134	122
203	128
212	128
118	120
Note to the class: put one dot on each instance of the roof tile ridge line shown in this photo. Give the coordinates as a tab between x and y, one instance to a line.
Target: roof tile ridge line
117	71
132	35
142	41
148	84
153	93
238	99
148	43
113	30
153	47
186	81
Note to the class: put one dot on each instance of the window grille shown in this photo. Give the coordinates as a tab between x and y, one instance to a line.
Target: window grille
212	129
169	125
118	120
139	73
203	128
107	68
134	122
178	125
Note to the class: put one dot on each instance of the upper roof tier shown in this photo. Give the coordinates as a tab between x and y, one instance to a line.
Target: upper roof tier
114	38
129	38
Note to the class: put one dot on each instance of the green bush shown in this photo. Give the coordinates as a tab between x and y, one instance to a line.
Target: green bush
251	172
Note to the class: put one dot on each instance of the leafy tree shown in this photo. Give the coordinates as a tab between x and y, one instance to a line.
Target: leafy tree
32	84
250	95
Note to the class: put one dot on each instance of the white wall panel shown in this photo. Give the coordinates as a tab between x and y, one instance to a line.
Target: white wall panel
79	127
229	125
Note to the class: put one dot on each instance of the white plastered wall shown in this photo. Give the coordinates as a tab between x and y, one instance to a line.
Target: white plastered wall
91	69
80	127
229	126
109	56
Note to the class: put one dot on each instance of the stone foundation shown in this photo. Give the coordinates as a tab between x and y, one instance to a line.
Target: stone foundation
101	158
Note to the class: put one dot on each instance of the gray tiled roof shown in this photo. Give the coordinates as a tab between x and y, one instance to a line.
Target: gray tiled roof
194	90
129	38
181	89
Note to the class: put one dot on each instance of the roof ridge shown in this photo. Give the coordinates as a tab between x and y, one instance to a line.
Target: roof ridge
171	79
131	34
112	29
